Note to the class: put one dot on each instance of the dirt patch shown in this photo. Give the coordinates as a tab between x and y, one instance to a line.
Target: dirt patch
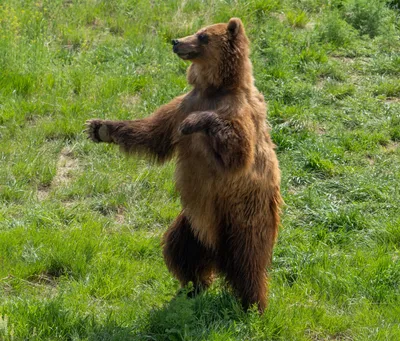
310	25
130	101
320	83
346	60
392	100
341	336
280	16
5	284
391	147
67	164
320	130
120	215
95	23
43	192
43	278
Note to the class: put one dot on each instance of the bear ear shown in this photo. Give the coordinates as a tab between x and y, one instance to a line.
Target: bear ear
234	26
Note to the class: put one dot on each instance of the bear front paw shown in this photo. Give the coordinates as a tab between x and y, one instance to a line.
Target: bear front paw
97	131
198	121
187	128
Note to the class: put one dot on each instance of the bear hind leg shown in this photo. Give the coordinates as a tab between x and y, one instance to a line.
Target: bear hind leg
186	257
244	262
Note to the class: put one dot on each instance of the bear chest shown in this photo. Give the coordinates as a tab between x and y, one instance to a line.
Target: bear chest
196	101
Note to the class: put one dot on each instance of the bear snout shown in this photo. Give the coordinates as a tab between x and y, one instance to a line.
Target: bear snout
175	43
175	47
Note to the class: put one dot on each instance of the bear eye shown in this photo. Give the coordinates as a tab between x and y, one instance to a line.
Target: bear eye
203	38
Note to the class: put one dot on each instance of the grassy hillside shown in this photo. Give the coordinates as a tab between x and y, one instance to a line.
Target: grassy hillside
80	224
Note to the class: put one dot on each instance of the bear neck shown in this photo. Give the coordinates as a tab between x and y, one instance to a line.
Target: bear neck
232	73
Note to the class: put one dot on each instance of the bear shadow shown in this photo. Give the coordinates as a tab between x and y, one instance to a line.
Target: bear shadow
110	330
183	317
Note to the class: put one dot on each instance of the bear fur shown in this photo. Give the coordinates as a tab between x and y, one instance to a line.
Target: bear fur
226	168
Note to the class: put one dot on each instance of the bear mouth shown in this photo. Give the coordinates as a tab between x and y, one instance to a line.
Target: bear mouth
187	55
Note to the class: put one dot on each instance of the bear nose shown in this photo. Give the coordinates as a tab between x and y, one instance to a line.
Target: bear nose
175	42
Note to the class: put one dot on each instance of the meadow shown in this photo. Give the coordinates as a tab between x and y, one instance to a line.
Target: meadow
81	224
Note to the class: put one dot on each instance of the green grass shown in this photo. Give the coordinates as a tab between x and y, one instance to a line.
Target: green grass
80	224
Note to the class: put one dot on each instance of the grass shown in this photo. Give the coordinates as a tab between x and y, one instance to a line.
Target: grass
80	225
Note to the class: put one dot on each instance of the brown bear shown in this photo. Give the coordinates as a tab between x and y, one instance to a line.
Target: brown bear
226	173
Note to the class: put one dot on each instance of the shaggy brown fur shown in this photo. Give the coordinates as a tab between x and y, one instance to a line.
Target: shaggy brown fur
227	171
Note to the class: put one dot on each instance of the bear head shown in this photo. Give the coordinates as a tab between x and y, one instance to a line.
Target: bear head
219	54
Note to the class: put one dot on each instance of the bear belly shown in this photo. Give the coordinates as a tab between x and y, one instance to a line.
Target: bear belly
195	181
198	202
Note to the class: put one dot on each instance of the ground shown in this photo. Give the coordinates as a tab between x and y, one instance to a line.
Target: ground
80	225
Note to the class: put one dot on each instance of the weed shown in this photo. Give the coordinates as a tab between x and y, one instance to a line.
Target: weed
366	16
297	19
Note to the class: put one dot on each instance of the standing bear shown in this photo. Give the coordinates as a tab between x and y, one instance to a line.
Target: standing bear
226	168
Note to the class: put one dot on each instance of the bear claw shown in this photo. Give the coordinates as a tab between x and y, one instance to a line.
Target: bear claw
92	127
